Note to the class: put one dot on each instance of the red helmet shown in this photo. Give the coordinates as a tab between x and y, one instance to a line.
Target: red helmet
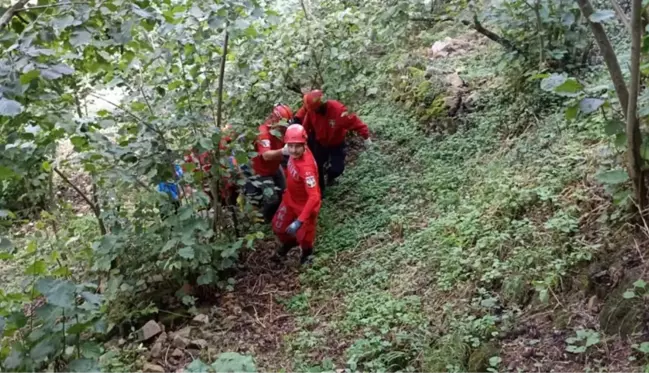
282	111
295	134
312	100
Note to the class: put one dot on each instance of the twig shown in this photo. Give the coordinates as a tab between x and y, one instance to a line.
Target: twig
621	15
166	356
95	208
9	13
51	6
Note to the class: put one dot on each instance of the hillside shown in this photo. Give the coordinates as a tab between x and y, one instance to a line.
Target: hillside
490	227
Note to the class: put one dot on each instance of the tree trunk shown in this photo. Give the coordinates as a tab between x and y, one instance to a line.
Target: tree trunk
634	139
608	53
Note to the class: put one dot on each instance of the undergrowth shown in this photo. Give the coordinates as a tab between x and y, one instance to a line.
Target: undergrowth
430	249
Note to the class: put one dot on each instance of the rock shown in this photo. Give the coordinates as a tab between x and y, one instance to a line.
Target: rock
179	342
148	367
155	279
121	342
198	343
201	319
472	100
528	352
184	332
149	330
156	350
162	338
441	48
455	80
177	353
592	303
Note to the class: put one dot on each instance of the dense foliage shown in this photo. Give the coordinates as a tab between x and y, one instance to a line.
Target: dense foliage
103	249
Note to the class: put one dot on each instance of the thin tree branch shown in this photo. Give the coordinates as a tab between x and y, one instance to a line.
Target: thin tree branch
621	15
634	139
52	5
214	182
608	53
491	35
93	206
9	13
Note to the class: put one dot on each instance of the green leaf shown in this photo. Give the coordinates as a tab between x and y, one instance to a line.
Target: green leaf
592	339
234	362
10	108
83	365
620	140
569	88
5	243
601	16
644	347
138	106
640	284
27	77
42	350
588	105
186	253
91	350
79	38
206	278
63	22
494	361
59	293
6	173
613	127
571	112
38	267
197	366
612	177
14	360
568	19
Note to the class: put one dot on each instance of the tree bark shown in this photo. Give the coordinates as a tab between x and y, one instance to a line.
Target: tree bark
9	13
608	53
634	139
214	182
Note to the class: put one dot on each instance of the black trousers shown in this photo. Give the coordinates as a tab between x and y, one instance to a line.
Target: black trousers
265	192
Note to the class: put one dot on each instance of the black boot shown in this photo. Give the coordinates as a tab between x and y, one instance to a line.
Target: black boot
307	256
280	255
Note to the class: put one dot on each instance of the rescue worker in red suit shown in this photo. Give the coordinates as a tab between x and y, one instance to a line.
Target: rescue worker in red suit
266	165
203	163
327	122
295	221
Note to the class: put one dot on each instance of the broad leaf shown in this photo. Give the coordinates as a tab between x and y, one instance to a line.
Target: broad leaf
186	253
640	284
613	177
234	362
27	77
569	88
80	37
59	293
552	82
197	366
588	105
42	350
10	108
83	365
5	243
601	16
613	127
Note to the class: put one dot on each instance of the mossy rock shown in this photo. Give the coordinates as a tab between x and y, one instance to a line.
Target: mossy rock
479	358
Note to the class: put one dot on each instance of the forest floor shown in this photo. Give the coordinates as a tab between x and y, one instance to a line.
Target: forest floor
487	245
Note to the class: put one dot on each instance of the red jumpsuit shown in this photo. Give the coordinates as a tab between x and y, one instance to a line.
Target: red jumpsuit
330	127
266	141
301	201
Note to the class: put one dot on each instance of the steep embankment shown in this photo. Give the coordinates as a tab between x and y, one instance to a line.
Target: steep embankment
465	252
